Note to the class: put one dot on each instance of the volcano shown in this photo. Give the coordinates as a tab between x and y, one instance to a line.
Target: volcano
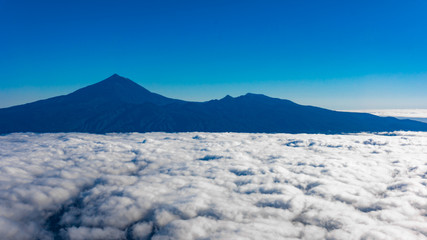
118	104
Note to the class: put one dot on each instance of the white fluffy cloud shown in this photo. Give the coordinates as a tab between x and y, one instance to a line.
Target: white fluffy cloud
213	186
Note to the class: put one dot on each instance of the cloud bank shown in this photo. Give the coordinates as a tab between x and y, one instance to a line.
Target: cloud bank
412	114
213	186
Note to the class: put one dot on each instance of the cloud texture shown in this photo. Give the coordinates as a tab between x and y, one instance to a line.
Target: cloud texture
213	186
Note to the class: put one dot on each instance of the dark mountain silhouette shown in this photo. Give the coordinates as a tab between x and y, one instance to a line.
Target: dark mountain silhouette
118	89
117	104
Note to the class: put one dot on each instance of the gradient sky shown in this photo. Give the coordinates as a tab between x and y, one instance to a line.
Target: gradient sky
334	54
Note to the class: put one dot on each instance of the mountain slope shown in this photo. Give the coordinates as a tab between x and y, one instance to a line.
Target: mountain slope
119	89
117	104
259	113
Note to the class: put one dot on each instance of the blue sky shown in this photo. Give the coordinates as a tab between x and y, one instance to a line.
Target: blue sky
334	54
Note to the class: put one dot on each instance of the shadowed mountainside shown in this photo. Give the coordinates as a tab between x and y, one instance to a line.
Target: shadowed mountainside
118	104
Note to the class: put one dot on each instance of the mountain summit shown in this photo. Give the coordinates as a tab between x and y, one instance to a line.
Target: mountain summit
117	88
118	104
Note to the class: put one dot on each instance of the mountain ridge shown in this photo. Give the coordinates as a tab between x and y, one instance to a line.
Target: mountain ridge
117	104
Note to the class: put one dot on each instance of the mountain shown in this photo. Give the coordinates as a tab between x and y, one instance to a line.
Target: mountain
118	89
118	104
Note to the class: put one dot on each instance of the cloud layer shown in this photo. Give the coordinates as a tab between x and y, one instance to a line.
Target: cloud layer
213	186
402	113
412	114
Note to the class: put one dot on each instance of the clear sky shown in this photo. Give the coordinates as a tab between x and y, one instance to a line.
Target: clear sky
335	54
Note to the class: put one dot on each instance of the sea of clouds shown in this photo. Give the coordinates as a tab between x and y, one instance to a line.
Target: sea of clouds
213	186
412	114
